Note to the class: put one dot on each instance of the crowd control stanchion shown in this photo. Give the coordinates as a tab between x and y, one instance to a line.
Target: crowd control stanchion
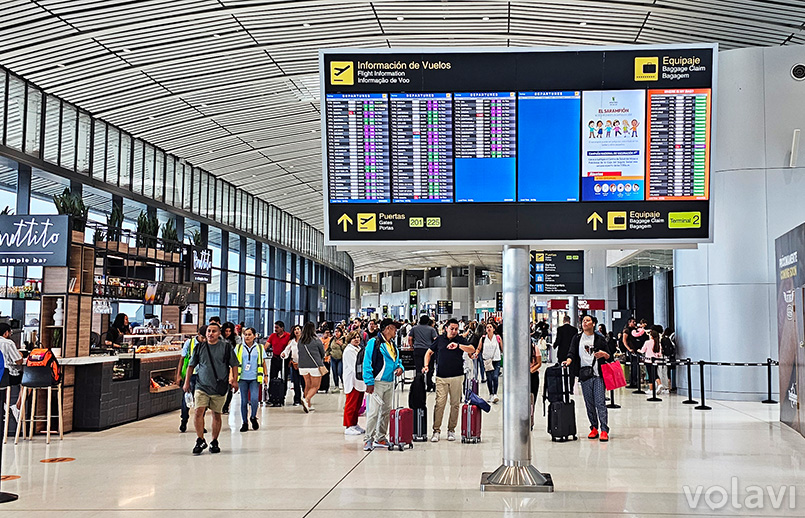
769	400
639	378
703	406
4	497
612	403
690	400
653	374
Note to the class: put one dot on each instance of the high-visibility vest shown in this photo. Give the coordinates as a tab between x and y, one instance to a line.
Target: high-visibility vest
239	354
190	355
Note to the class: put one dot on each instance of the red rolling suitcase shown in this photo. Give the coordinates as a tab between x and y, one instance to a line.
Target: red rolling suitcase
401	424
470	423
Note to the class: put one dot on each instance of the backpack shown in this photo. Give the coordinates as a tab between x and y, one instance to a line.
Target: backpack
41	369
668	347
377	357
553	384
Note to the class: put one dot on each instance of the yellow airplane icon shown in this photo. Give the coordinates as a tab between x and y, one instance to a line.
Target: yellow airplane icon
342	73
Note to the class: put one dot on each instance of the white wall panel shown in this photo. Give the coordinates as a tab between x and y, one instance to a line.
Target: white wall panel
740	131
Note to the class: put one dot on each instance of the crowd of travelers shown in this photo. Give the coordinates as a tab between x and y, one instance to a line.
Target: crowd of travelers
367	358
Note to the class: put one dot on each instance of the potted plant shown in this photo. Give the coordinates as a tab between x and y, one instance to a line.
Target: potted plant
147	230
170	241
71	204
99	237
114	225
55	342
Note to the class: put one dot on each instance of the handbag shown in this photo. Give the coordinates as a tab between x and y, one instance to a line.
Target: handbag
613	375
322	368
586	373
488	364
221	385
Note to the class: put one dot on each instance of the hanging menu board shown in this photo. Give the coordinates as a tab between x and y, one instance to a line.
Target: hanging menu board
596	145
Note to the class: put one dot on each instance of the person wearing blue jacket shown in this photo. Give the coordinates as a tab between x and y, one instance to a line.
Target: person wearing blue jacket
381	363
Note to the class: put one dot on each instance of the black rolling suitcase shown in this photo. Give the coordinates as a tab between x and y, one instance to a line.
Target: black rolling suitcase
325	380
562	413
417	401
277	387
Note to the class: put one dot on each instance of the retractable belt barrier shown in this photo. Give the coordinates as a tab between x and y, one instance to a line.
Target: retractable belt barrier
652	364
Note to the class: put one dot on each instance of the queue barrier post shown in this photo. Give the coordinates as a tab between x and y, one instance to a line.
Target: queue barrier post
769	400
4	497
703	406
690	400
637	364
612	403
653	379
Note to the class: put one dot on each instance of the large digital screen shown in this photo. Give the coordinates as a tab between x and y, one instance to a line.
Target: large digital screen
585	145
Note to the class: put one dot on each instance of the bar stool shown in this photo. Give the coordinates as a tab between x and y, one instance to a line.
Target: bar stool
32	382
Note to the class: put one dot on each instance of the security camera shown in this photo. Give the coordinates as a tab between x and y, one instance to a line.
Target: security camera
798	72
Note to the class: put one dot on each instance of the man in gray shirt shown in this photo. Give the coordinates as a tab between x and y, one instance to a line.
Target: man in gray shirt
421	337
213	360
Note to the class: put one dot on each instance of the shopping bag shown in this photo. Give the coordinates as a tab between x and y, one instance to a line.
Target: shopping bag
613	375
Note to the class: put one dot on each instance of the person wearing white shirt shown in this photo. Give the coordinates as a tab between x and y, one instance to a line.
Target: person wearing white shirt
292	351
13	360
353	387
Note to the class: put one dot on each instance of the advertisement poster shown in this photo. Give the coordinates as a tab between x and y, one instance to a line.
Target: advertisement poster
613	145
789	255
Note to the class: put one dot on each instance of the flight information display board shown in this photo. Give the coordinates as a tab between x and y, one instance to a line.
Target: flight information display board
586	145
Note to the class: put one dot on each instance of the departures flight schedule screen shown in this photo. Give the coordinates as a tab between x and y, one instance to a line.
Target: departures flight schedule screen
615	144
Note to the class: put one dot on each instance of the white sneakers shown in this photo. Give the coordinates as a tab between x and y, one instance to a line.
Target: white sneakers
451	436
305	405
353	430
495	398
435	437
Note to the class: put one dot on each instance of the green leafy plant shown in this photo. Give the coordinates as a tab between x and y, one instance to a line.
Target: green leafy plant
147	230
56	340
197	239
7	211
170	236
114	222
98	235
72	205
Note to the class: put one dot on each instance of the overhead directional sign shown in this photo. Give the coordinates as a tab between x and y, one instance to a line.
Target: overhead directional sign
598	145
557	272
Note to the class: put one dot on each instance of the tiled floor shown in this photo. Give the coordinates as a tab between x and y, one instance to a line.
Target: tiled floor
302	465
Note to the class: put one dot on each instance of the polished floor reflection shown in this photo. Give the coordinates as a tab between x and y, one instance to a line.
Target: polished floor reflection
302	465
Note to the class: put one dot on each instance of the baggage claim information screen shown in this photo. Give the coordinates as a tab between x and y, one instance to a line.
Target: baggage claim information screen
597	145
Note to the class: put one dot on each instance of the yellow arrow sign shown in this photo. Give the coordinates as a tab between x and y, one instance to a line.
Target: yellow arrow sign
595	219
345	220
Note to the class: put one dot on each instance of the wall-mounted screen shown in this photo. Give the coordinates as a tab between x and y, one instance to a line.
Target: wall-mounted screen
537	145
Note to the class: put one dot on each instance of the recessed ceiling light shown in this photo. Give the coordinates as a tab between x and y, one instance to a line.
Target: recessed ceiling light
210	151
313	131
61	65
126	50
583	24
485	18
305	25
151	117
400	18
216	35
203	105
254	176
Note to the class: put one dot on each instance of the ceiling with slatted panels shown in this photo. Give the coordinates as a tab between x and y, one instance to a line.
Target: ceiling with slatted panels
232	85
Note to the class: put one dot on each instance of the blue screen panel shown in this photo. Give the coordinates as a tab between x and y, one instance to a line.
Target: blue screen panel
548	145
485	179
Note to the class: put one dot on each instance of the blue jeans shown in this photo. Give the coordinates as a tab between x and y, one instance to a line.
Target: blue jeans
492	377
251	389
337	368
185	410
